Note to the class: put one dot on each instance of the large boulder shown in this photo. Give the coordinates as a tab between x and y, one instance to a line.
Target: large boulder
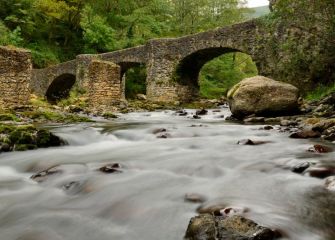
264	97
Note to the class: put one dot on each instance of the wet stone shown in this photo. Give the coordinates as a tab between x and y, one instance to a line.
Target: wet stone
196	117
209	227
317	148
111	168
194	198
159	130
301	167
267	127
251	142
73	187
211	209
321	172
43	175
330	183
164	135
254	120
304	134
232	211
287	123
201	112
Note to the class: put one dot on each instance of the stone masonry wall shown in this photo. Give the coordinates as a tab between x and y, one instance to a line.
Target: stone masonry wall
104	89
15	75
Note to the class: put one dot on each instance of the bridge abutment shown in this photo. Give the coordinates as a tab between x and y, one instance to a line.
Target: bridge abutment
104	86
15	76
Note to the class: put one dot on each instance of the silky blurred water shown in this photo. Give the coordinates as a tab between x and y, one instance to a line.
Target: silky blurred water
146	200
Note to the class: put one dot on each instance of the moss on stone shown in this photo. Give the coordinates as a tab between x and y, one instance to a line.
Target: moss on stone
24	147
8	117
109	115
52	116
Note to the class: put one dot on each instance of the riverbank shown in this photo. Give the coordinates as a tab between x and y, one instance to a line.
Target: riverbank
316	119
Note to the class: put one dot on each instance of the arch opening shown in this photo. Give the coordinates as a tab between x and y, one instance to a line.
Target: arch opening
134	78
210	73
60	88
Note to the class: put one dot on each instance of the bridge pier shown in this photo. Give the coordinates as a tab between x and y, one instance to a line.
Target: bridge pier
104	86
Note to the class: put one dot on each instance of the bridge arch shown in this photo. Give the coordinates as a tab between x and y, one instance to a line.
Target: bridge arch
128	69
60	87
188	68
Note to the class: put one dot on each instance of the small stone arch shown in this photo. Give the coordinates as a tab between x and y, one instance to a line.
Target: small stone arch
60	87
125	66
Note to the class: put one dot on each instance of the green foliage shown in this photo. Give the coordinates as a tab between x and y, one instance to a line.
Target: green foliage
219	75
97	34
302	42
76	98
320	92
9	117
135	82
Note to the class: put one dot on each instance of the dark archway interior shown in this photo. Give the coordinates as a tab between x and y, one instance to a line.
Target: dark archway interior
134	77
188	70
60	88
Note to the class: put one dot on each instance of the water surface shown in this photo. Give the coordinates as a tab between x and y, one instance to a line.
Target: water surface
146	200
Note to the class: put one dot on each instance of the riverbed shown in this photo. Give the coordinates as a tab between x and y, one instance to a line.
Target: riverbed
163	156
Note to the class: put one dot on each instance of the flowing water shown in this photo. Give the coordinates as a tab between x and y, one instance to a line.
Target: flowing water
146	201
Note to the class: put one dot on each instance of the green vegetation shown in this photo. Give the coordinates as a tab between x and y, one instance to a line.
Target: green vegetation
219	75
135	82
320	92
8	117
302	41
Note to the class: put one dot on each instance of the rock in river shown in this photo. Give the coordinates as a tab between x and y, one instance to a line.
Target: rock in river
209	227
263	96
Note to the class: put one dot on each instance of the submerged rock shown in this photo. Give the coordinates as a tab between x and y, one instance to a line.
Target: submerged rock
321	171
201	112
317	148
209	227
111	168
194	198
304	134
251	142
301	167
263	96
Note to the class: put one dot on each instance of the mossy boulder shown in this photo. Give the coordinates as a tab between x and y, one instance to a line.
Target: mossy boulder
263	97
26	137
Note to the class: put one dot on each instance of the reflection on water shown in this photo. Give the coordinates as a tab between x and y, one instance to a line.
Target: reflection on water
146	200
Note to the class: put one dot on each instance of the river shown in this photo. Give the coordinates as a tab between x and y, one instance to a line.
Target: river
146	200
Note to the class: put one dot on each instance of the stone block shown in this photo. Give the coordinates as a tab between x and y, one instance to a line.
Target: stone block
15	76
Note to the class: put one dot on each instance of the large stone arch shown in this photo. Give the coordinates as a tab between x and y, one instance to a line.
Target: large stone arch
188	69
171	60
60	87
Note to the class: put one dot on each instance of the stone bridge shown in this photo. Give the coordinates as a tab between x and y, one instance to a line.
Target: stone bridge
172	64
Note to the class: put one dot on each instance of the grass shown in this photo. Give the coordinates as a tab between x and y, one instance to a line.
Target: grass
320	92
